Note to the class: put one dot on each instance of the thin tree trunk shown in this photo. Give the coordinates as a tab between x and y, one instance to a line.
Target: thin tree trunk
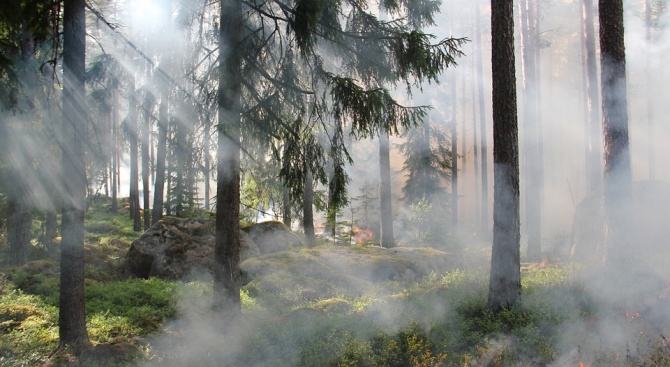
208	165
286	206
532	138
161	153
505	277
385	196
227	275
650	104
72	313
115	149
146	129
482	133
454	152
134	195
475	138
594	133
308	211
617	172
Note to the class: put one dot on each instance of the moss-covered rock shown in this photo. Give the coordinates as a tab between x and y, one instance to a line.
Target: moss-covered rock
179	248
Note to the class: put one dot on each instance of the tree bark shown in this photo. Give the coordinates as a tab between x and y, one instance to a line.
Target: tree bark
72	313
617	170
146	158
454	151
227	275
385	195
115	148
134	195
505	277
161	153
308	211
19	223
593	128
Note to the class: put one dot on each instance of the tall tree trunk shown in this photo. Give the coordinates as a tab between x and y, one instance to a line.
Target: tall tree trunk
115	148
227	275
454	151
385	195
475	139
146	164
19	224
161	153
617	172
72	314
286	207
208	165
482	132
530	116
593	128
505	277
650	105
134	195
331	211
308	211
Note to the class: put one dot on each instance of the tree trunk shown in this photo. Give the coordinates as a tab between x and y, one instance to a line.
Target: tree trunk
475	139
482	133
134	195
505	277
650	105
146	157
161	153
115	148
19	224
208	165
593	128
227	275
331	211
72	313
385	195
617	172
308	211
532	138
454	152
286	206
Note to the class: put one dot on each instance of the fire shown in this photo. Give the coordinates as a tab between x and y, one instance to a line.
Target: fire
582	364
362	235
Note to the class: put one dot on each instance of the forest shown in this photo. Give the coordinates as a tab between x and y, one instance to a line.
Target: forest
334	183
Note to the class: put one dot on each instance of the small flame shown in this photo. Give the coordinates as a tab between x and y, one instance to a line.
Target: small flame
361	235
582	364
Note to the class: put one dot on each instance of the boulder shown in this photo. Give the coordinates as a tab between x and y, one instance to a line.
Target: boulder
272	236
650	221
179	248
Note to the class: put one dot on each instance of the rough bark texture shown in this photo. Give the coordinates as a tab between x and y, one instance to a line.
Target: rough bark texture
387	239
593	128
617	170
161	153
72	314
505	277
227	277
308	211
19	222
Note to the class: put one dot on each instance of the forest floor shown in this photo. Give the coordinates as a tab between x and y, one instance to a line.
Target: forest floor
567	316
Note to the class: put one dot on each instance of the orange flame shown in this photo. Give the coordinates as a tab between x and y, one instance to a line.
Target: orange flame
362	235
582	364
